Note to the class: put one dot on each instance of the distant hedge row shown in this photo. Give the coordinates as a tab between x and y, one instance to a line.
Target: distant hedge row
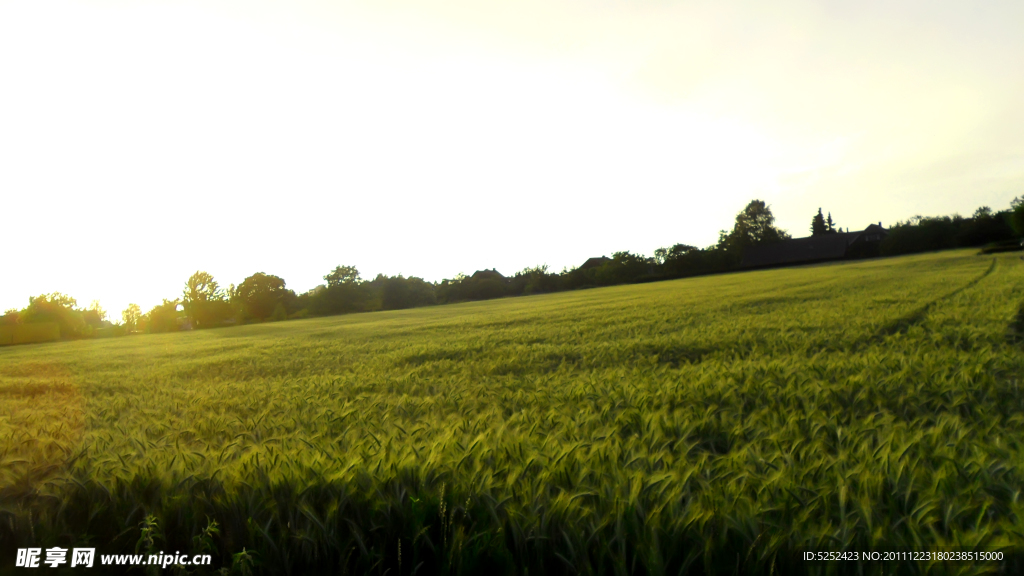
921	234
264	297
29	333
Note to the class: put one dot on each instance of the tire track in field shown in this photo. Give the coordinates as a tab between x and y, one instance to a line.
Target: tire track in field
1015	330
917	315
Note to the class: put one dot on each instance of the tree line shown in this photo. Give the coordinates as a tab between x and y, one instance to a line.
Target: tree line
995	231
204	303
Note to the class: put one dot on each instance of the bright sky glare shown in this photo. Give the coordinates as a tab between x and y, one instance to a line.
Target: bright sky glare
141	141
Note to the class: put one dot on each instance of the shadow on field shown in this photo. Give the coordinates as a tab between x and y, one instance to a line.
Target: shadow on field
1015	331
674	355
522	359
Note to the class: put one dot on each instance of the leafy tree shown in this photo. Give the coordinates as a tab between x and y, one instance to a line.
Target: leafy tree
342	275
482	285
486	288
398	292
57	299
93	317
394	294
623	267
754	225
58	308
259	295
450	290
205	304
163	317
421	292
535	280
1017	215
342	299
95	307
12	316
684	260
818	225
664	256
344	292
920	234
92	321
986	227
131	317
200	287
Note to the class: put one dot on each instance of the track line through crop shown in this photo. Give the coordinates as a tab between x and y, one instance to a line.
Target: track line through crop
916	316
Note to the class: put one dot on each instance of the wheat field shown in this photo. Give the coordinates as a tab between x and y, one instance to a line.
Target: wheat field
707	425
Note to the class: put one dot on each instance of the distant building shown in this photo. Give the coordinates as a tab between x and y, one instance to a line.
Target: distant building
488	274
594	262
821	248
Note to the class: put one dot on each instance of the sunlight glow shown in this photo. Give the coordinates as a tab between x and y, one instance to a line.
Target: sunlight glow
143	141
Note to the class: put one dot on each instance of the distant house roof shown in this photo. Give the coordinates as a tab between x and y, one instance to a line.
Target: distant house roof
810	249
872	233
594	262
492	273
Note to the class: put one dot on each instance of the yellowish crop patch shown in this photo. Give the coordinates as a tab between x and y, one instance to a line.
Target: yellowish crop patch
42	420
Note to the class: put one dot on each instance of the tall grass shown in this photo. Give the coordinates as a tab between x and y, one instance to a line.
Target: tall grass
708	425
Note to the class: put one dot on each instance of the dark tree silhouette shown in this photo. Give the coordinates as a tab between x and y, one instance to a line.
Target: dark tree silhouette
1017	215
260	294
818	226
163	317
754	225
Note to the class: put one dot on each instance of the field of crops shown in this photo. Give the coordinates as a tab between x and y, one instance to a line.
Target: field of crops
705	425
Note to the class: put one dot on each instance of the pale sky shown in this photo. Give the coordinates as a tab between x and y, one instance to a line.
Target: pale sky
141	141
